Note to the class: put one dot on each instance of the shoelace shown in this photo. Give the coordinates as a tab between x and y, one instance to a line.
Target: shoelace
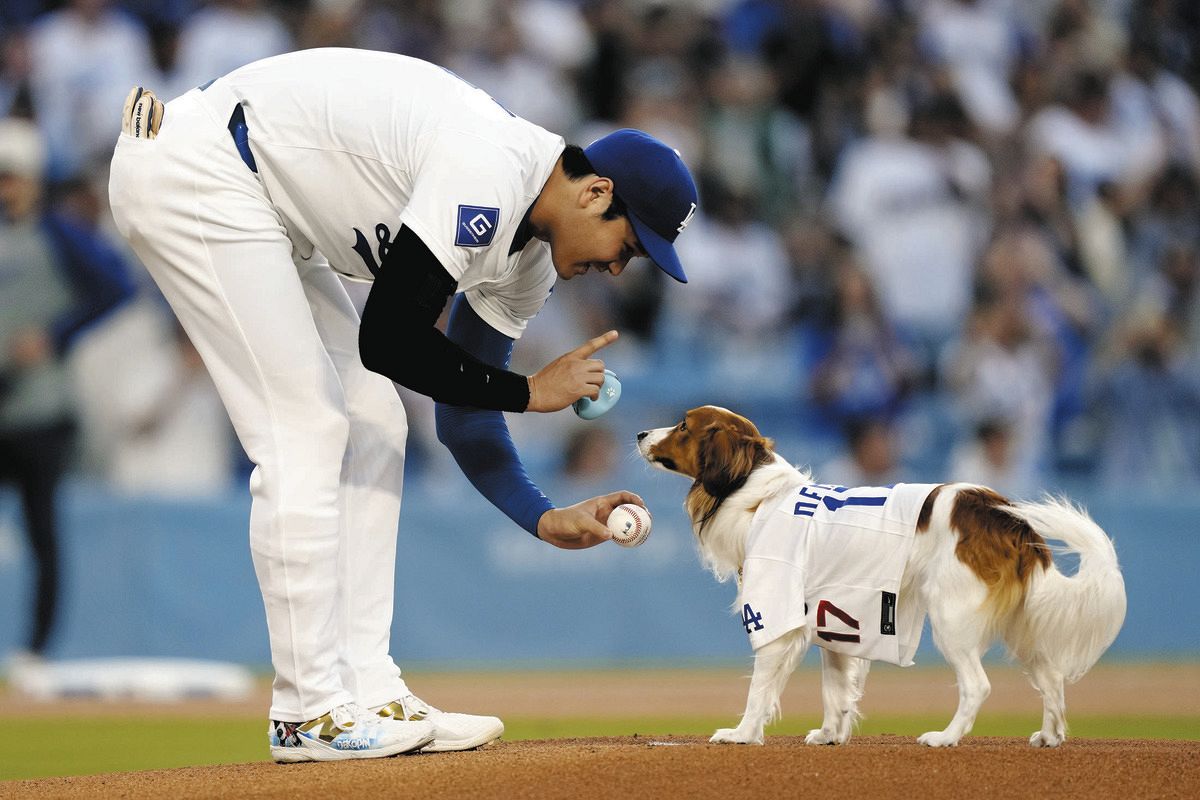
416	708
349	715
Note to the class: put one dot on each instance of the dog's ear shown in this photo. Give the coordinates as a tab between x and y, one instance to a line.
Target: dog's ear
727	457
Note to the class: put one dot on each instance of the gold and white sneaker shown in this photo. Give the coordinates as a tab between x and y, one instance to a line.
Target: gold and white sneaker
451	731
347	731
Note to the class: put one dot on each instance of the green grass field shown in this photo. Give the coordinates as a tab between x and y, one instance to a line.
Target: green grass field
86	746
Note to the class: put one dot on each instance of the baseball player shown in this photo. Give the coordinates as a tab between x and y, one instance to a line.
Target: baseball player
246	199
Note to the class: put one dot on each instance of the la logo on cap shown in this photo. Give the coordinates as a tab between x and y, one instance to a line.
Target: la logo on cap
691	213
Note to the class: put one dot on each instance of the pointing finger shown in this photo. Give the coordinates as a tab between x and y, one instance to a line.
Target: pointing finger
592	345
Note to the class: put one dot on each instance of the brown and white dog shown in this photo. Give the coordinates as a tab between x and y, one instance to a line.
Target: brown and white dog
978	564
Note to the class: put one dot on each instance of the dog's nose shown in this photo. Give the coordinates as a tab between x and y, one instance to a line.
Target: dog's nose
643	435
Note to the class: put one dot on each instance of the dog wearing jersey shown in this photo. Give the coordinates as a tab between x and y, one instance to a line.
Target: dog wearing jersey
857	570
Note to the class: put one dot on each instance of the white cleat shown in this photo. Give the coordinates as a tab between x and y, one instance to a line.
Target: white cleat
451	731
347	731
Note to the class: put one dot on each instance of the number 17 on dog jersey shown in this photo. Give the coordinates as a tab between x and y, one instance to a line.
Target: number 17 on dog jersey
831	558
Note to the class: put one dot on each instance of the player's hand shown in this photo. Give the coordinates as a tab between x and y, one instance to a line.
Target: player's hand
569	377
582	525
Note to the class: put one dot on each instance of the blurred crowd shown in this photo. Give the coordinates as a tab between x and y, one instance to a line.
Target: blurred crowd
985	212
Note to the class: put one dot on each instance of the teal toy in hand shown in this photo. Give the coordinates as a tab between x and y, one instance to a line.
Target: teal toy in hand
610	393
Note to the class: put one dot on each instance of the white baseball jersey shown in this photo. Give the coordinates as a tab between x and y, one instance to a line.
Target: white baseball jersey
347	162
832	558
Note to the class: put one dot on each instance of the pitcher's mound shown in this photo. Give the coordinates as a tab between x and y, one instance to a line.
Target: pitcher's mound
684	766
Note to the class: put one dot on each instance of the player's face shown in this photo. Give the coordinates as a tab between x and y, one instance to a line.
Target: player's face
592	243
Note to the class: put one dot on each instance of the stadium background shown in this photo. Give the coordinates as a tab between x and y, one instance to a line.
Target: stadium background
939	239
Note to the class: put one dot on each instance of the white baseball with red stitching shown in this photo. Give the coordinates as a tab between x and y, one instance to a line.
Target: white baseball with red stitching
630	524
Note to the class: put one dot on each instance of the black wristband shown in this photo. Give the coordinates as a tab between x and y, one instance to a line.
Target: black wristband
398	338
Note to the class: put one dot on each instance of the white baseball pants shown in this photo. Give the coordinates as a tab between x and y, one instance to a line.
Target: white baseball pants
280	337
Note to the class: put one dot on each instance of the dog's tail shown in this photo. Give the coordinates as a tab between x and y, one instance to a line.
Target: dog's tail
1069	621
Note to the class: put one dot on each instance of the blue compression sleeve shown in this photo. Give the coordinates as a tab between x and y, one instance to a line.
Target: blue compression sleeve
479	438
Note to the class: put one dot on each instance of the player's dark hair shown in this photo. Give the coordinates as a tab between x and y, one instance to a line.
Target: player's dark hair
575	165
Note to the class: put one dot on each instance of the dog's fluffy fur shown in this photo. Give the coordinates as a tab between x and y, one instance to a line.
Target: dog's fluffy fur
979	563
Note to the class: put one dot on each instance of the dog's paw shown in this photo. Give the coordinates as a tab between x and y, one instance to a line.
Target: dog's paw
822	736
937	739
1043	739
733	736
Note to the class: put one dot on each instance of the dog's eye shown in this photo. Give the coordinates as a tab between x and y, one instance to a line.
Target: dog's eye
683	425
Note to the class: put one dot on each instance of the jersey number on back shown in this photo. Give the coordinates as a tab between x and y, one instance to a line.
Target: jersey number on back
823	494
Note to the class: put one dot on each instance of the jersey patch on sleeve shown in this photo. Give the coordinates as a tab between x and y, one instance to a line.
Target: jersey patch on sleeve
476	226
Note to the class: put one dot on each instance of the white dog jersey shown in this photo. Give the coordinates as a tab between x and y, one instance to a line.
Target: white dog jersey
832	558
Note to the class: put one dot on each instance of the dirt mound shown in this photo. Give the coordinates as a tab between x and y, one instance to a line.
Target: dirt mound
870	767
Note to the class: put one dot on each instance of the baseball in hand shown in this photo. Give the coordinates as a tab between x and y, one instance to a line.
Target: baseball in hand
630	524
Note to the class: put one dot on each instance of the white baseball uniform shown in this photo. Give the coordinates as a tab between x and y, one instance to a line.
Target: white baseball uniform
349	146
831	558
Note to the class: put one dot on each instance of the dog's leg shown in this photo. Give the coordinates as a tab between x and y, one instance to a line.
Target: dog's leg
773	664
1049	683
960	633
842	681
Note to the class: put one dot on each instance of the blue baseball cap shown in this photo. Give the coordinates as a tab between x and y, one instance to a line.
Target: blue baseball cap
656	187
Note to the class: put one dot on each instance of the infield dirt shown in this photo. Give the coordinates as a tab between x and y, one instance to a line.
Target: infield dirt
687	766
684	767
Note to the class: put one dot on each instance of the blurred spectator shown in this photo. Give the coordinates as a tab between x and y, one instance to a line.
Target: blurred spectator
85	57
864	371
870	456
1083	35
146	399
667	76
16	98
812	47
1003	368
812	250
1171	216
1150	99
752	145
987	458
1042	204
1147	409
1174	292
58	278
1173	28
554	33
417	28
914	205
223	36
1082	134
978	43
1103	250
602	77
738	273
500	63
1060	311
15	14
818	56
